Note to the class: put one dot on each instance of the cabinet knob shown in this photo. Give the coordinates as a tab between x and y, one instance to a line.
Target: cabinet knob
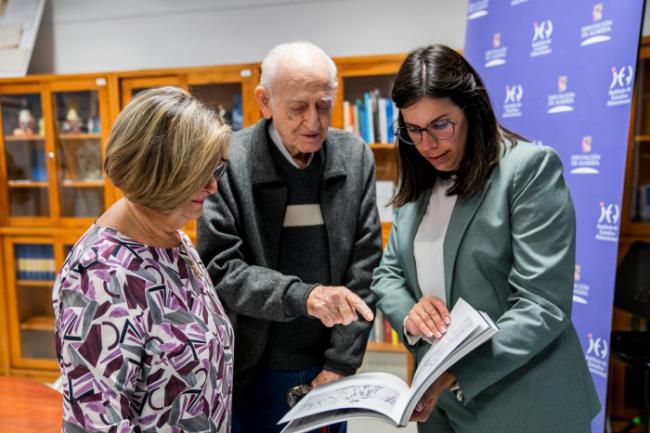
50	155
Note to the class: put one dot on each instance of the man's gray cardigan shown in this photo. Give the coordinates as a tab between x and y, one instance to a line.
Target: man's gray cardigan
238	240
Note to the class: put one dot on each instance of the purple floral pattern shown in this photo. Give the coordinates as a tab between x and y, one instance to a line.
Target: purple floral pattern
142	340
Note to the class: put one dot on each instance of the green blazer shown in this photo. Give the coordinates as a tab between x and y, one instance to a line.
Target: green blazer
509	250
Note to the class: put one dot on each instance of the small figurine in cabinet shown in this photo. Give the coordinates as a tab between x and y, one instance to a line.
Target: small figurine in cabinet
25	122
72	121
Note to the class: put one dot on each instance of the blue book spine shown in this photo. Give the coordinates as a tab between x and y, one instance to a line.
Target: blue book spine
368	136
362	119
389	121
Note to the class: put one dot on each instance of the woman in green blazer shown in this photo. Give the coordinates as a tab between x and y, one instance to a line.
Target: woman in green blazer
485	216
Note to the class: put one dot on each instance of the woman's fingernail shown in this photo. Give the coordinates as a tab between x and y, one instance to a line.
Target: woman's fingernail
447	320
443	329
438	335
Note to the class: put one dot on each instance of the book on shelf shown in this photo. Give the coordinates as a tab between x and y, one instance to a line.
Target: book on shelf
34	262
371	117
386	397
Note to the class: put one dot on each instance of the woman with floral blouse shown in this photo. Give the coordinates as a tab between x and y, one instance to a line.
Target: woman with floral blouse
142	340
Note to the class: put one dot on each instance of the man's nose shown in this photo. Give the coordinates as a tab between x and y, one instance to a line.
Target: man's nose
312	120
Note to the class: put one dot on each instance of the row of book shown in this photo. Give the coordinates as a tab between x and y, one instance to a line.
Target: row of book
382	332
34	262
372	118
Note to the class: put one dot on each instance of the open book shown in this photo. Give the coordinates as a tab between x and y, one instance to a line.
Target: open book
384	396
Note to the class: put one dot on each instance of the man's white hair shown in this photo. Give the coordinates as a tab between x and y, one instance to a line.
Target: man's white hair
293	51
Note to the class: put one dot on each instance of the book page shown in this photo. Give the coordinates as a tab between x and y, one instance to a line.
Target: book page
461	338
313	422
379	392
459	329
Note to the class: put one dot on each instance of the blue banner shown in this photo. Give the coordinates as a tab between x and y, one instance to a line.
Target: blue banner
561	73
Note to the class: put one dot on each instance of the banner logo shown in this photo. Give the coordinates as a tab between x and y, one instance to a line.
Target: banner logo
580	289
541	44
596	355
607	226
585	162
477	9
621	87
497	55
599	31
512	102
562	101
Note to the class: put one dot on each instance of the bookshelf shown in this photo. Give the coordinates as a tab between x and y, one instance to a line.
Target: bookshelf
52	188
624	389
53	130
30	263
359	77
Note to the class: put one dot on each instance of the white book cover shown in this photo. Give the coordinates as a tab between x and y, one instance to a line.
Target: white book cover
384	396
347	124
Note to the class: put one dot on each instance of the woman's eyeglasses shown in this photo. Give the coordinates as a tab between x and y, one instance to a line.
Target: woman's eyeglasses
220	170
442	129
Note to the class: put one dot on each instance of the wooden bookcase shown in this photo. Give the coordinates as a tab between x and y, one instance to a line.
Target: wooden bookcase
635	225
43	184
217	87
53	131
356	76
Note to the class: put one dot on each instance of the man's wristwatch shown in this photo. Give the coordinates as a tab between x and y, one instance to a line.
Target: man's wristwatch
455	388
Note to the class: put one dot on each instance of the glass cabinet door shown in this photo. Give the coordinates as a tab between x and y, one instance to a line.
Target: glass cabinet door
79	150
30	301
25	155
224	99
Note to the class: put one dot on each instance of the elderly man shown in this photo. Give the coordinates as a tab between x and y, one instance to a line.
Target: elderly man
291	240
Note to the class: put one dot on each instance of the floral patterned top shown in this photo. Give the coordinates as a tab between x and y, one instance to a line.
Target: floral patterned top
142	340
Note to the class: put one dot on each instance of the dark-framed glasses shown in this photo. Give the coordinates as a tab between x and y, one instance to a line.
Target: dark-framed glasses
441	129
220	170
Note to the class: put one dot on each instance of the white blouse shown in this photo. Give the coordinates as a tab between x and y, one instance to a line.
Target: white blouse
429	241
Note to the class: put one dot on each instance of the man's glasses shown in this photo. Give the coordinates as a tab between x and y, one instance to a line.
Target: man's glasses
442	129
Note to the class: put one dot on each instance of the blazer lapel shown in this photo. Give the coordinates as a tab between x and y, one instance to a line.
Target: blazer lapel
461	217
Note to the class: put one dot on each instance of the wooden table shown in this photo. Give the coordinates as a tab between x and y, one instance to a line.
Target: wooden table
27	406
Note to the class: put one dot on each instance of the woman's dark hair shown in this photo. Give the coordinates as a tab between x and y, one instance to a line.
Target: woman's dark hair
437	71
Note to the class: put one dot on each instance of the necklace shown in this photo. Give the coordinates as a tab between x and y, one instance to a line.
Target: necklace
185	252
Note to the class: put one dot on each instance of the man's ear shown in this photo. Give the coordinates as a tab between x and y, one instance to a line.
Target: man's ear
263	98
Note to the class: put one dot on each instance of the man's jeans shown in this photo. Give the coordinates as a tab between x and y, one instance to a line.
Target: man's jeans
265	402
